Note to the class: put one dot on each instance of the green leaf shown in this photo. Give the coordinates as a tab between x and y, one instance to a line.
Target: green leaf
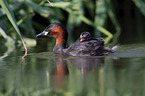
10	15
3	33
12	19
101	15
141	5
60	4
68	6
106	32
114	21
2	12
70	25
12	6
41	10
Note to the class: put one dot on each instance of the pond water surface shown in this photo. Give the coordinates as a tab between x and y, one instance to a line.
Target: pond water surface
47	74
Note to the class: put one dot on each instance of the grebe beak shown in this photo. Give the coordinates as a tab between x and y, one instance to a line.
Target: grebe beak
44	33
82	39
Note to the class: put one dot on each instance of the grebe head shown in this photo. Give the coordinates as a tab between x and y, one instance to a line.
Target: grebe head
57	31
53	30
85	36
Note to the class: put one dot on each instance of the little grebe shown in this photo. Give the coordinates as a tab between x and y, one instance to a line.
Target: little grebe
87	36
84	46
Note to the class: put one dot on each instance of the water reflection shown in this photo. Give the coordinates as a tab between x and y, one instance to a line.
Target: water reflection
47	74
83	64
60	72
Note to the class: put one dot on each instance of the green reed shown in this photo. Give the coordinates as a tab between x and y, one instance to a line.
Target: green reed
95	14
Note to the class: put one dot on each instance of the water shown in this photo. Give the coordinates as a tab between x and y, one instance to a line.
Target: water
48	74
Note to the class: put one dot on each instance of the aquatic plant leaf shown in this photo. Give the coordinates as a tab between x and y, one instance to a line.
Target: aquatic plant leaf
12	19
70	25
41	10
141	5
114	21
112	15
21	20
100	12
74	18
106	32
3	33
100	15
10	15
60	4
68	6
12	6
28	28
2	12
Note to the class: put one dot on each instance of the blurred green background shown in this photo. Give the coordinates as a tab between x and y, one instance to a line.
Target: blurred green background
47	74
118	21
